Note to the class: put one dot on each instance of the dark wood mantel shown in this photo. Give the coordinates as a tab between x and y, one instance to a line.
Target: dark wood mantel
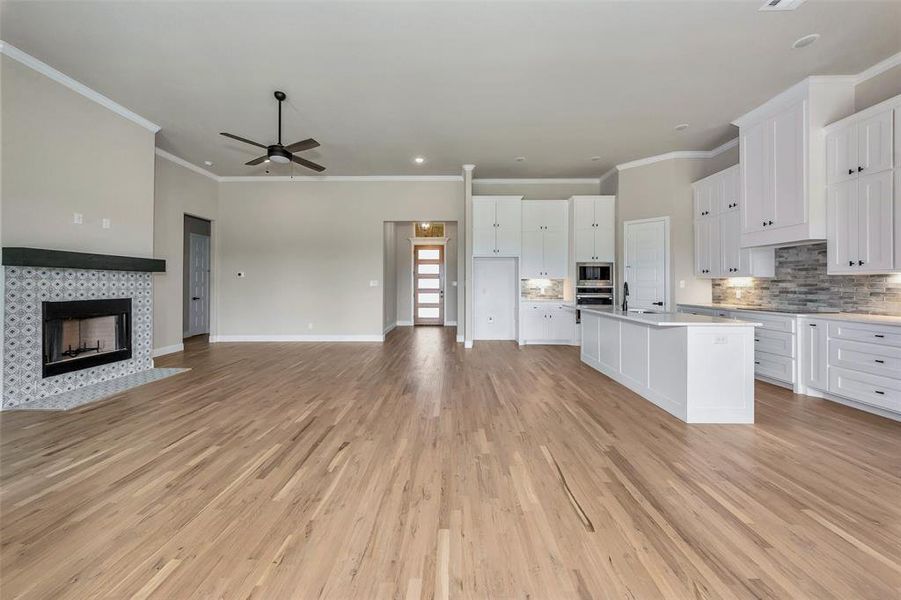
62	259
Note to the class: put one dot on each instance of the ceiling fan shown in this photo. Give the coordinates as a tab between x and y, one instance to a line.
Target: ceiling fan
278	153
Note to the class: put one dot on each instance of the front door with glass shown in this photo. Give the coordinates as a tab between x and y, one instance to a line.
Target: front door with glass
428	285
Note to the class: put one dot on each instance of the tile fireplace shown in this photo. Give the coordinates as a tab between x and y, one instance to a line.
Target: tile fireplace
78	334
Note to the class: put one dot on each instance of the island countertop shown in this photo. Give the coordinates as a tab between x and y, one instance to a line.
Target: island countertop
669	319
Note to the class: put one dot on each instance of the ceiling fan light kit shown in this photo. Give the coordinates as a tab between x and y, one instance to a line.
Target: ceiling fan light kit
279	153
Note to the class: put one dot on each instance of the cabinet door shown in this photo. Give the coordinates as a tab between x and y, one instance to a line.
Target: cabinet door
583	213
584	245
534	322
556	249
874	144
788	206
509	226
731	190
554	215
730	245
814	355
533	216
715	249
874	222
841	154
754	177
605	229
841	227
532	254
702	247
703	196
561	323
591	348
483	227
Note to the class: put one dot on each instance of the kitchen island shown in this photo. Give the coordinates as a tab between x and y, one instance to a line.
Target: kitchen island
698	368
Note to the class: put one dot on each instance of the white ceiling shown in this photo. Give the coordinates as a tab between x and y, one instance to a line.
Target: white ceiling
378	83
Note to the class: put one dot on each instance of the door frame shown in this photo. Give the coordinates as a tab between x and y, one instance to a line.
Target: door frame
438	241
667	268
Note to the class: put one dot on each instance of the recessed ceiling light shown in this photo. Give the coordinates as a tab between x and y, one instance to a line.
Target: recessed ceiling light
595	158
520	158
208	163
419	160
681	127
806	40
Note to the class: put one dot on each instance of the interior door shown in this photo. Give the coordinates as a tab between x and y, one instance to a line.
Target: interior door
645	245
428	291
199	309
874	222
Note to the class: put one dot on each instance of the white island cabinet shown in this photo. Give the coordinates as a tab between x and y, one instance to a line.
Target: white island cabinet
698	368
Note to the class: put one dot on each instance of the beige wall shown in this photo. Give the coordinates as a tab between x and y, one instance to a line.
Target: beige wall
179	191
310	249
536	191
610	184
389	266
63	153
664	189
882	87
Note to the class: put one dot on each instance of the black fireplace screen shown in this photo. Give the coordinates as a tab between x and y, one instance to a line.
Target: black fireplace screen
85	333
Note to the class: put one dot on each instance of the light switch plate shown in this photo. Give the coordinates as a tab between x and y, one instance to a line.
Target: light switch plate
373	283
105	223
77	218
241	274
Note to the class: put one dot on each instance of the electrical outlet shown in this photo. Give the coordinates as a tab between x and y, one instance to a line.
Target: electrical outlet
105	223
738	293
373	283
309	326
241	274
682	284
77	218
720	339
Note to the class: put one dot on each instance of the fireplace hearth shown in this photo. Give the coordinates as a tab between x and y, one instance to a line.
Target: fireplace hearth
85	333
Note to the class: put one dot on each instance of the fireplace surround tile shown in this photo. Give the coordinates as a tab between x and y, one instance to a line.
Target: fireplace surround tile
25	290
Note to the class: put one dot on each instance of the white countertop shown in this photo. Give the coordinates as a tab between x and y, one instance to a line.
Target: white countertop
669	319
546	300
837	316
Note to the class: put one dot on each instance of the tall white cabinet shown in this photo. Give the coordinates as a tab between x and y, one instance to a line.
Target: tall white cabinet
782	173
863	204
717	231
594	222
496	226
545	240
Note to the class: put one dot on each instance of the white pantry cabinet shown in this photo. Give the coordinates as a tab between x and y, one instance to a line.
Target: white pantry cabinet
863	220
496	225
545	243
594	222
783	171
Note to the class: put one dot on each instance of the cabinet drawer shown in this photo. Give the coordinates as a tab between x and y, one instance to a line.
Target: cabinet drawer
861	332
860	356
770	322
781	368
774	342
867	388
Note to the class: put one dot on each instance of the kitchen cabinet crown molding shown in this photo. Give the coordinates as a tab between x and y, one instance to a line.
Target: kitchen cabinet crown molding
886	105
796	93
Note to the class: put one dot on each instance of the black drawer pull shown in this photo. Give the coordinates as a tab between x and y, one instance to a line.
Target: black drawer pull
756	339
879	335
879	392
812	324
756	362
881	362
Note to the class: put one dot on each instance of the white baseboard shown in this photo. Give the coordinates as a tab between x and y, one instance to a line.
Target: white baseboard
168	349
450	323
405	323
460	339
467	344
298	338
388	329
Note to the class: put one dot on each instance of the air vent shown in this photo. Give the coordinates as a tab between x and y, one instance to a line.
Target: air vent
781	4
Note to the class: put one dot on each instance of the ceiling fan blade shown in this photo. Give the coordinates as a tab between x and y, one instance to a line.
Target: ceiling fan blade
257	161
245	140
308	164
302	145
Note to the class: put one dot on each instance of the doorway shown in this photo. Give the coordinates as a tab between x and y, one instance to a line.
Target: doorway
196	277
428	285
646	259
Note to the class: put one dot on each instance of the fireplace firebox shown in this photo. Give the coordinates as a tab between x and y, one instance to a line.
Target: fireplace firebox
85	333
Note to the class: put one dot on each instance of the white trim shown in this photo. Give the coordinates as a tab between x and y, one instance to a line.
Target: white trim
604	177
460	338
77	87
467	344
297	338
540	180
893	102
450	323
182	162
677	155
877	69
327	178
424	241
168	350
468	167
389	328
405	323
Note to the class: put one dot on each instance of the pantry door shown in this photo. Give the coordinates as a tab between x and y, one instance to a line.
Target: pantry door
428	285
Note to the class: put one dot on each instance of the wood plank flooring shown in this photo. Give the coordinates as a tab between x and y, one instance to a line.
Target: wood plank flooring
415	469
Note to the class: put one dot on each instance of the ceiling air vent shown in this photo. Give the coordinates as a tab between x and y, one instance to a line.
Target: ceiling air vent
781	4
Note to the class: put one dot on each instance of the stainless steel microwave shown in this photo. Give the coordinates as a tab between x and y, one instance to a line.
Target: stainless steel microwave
594	274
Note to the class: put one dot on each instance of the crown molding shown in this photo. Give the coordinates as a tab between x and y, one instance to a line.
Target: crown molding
63	79
190	166
336	178
604	177
468	167
539	180
879	68
677	155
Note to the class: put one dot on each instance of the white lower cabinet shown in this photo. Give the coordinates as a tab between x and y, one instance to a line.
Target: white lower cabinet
781	368
813	351
547	323
881	392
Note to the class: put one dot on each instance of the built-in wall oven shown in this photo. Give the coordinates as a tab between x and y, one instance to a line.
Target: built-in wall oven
594	285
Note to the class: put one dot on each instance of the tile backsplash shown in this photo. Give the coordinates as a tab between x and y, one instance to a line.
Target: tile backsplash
801	284
542	289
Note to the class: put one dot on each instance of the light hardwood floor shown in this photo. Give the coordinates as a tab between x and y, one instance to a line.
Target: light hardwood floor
416	469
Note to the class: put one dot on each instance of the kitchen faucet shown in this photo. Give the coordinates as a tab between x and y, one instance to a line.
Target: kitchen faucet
625	296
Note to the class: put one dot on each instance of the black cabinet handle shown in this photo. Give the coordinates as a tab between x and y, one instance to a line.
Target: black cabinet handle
756	362
764	223
850	263
195	297
850	171
657	303
879	392
756	339
879	335
812	324
859	169
881	362
860	263
770	223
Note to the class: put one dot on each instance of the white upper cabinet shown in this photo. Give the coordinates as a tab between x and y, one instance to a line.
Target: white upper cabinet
496	225
783	167
594	222
863	202
545	243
